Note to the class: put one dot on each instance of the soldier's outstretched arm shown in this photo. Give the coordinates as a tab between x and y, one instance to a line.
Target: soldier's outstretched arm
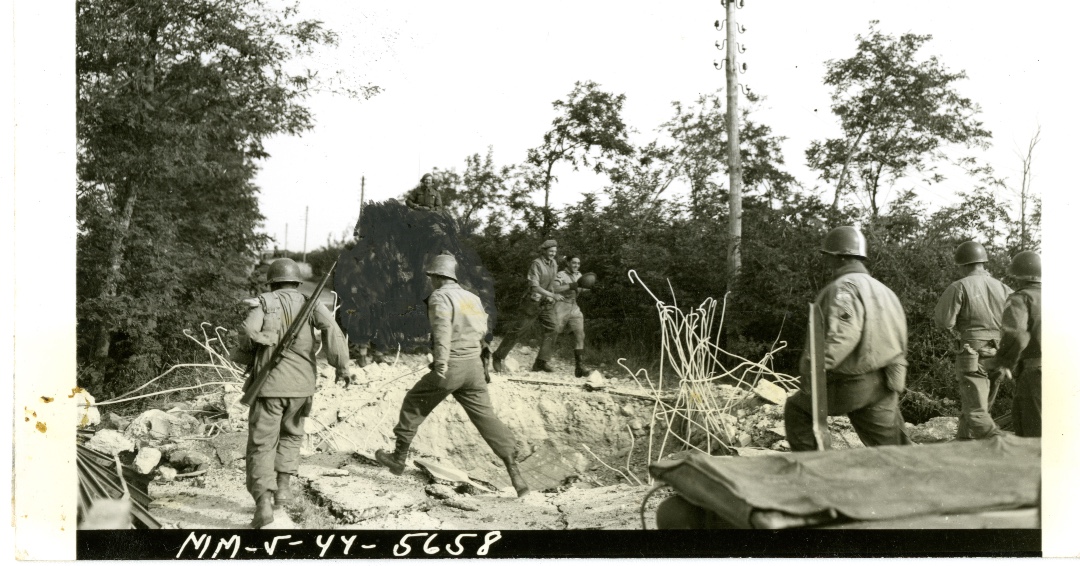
337	349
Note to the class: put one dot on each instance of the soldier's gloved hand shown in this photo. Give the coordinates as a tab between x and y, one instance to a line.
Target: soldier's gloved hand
438	369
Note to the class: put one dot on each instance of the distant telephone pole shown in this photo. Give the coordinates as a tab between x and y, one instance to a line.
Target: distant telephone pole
286	248
735	180
305	234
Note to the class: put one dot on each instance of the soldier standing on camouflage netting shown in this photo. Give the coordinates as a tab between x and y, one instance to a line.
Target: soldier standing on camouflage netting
570	283
538	304
1021	344
865	351
971	308
458	325
276	417
425	196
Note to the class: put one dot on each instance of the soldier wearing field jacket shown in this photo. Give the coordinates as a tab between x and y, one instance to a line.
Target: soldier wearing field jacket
458	326
971	308
276	417
865	350
1020	353
539	304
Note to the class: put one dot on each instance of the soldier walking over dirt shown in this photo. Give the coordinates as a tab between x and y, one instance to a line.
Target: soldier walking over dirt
458	325
276	417
1020	352
865	350
539	304
569	284
971	309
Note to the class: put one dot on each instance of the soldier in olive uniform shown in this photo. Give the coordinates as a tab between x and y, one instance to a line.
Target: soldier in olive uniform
865	350
458	325
567	311
276	417
971	308
1020	353
425	196
538	304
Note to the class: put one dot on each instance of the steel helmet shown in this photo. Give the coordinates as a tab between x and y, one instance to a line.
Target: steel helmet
283	270
970	252
444	265
1026	266
845	240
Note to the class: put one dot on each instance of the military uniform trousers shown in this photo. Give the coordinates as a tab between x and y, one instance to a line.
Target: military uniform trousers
1027	399
973	383
275	431
465	381
573	318
541	311
873	409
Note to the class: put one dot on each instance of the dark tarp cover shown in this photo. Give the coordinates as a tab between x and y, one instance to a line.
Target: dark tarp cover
381	279
867	484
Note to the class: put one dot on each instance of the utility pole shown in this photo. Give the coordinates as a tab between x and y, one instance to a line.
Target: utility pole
305	235
286	250
360	215
734	157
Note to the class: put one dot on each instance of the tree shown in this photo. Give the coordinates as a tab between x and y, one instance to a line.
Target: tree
1030	212
896	112
174	100
589	129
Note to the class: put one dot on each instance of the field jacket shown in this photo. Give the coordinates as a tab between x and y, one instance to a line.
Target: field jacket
972	306
265	326
458	325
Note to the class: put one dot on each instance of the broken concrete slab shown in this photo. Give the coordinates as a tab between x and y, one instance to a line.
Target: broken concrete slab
147	458
771	392
110	442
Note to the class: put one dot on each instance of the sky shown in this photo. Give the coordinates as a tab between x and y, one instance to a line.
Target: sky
457	78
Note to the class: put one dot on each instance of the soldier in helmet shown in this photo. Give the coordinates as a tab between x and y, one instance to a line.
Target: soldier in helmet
425	196
971	308
1020	353
458	326
539	303
276	417
865	350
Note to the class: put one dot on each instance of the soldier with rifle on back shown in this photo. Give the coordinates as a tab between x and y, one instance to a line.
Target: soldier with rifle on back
278	339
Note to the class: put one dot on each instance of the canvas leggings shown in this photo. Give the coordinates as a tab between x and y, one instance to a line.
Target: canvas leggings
874	411
1027	399
465	381
531	310
275	432
973	384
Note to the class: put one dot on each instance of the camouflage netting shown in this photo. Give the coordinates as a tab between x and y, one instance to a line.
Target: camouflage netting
381	280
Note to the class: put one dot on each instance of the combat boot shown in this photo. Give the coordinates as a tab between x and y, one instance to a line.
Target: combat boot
515	476
284	494
396	460
542	365
579	370
497	364
264	510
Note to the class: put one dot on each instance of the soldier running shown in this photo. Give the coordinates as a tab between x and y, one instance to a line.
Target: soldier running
458	325
539	305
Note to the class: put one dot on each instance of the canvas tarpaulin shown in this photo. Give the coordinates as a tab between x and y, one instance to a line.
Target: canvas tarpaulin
868	484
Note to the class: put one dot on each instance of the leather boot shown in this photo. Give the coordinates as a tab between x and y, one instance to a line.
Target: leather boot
284	494
515	476
579	370
395	461
542	365
497	365
264	510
